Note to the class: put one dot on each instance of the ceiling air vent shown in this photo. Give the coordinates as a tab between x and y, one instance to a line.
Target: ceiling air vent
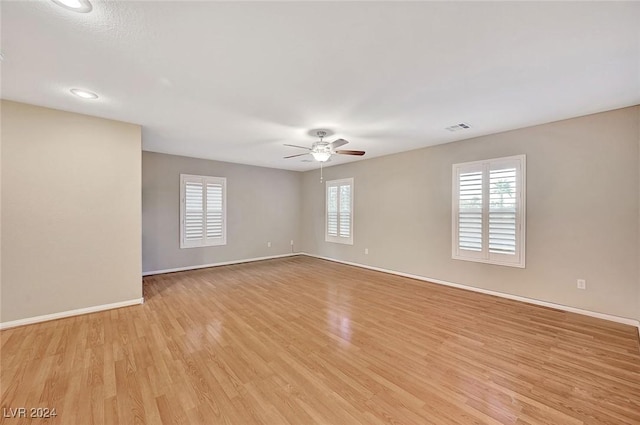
457	127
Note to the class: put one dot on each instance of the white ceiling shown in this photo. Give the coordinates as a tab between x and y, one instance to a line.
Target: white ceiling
233	81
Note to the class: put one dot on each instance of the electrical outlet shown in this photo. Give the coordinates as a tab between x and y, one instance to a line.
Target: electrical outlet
291	242
366	251
268	244
582	284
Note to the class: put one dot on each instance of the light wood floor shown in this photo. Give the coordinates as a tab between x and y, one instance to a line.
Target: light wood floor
304	341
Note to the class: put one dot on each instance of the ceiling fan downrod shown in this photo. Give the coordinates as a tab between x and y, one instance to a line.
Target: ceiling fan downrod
321	134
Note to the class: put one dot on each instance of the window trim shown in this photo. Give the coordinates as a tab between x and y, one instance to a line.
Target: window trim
484	256
338	239
202	242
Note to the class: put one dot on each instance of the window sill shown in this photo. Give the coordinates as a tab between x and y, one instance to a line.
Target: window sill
520	265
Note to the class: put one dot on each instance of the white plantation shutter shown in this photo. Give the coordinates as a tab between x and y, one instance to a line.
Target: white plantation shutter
339	226
194	211
489	211
214	211
502	211
332	210
202	211
345	210
470	211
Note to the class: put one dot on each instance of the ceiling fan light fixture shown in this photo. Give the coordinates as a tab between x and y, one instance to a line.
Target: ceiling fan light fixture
321	156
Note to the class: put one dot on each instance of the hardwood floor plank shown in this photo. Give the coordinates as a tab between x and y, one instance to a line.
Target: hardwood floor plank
304	341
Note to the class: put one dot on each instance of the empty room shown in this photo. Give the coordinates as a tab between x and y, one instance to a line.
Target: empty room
319	212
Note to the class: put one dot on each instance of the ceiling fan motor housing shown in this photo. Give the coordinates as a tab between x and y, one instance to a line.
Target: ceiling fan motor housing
321	147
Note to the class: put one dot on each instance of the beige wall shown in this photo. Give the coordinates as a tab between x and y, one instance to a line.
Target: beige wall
70	211
263	205
582	212
70	217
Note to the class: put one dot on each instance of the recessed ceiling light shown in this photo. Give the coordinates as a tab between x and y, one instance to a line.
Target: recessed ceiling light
81	6
84	94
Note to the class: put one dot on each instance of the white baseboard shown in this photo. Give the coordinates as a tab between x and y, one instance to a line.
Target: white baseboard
69	313
94	309
224	263
618	319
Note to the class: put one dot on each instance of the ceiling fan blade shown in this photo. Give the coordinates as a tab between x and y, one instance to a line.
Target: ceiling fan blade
293	156
296	146
359	153
338	143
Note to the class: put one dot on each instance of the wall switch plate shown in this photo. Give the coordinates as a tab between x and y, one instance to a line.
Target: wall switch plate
268	244
366	250
582	284
291	242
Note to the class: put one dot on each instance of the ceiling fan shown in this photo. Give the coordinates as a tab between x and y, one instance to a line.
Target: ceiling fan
322	151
